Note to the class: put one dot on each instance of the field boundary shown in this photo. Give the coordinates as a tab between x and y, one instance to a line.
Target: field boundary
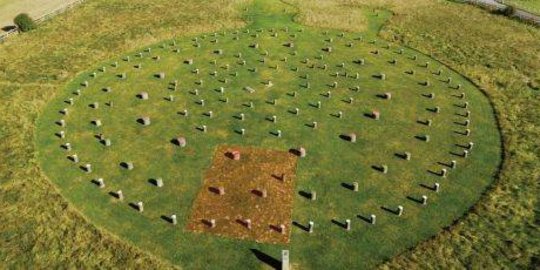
42	19
496	5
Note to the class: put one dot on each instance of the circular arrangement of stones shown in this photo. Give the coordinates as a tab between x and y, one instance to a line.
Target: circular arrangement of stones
269	139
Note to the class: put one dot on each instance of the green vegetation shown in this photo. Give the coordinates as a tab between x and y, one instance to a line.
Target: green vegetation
331	164
24	22
530	5
499	232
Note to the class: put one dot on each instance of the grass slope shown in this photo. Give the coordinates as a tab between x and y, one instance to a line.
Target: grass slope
331	160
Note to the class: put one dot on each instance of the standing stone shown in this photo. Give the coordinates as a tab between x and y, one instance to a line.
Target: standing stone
107	142
221	190
145	120
173	219
372	219
352	137
140	206
302	151
236	155
311	224
407	155
376	115
453	164
181	141
88	167
100	182
399	210
285	264
248	223
120	195
436	187
423	200
444	173
355	186
159	182
313	195
282	228
348	224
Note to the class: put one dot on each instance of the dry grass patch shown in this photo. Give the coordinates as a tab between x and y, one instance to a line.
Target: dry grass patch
244	183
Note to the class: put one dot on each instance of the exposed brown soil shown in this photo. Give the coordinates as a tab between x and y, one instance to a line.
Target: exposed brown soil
244	182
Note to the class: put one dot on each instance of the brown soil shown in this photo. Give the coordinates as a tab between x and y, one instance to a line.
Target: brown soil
244	181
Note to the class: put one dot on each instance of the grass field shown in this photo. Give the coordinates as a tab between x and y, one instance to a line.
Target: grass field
530	5
505	69
332	162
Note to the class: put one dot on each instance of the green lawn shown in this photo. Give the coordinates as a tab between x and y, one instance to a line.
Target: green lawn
331	161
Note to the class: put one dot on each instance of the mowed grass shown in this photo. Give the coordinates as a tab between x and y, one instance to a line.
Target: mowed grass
331	161
507	71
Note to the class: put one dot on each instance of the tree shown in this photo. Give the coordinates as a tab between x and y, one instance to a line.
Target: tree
24	22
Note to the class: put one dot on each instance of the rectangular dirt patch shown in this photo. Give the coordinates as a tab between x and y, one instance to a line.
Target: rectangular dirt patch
249	198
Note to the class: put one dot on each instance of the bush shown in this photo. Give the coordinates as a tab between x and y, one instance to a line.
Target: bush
506	11
24	22
509	11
